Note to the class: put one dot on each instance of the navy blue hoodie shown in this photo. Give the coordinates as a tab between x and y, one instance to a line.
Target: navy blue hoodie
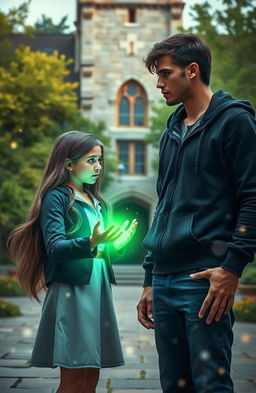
206	212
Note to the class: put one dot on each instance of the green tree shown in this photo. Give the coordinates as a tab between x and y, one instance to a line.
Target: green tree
46	25
33	94
34	103
12	22
157	123
231	35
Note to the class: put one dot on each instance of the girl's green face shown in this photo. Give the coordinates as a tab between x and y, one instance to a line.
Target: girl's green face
87	168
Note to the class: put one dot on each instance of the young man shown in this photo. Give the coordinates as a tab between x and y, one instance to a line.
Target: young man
204	229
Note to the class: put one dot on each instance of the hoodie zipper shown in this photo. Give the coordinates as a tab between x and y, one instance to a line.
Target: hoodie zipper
180	144
173	189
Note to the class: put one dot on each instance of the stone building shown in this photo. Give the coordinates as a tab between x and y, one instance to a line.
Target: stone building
113	37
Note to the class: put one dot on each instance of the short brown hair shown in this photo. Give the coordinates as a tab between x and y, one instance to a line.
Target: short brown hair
183	49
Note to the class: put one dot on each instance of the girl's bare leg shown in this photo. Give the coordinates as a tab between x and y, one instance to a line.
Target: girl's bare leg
71	380
91	380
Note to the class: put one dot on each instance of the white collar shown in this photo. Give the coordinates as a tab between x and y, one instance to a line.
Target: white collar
79	197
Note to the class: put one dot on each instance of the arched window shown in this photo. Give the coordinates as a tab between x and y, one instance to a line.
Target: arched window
131	105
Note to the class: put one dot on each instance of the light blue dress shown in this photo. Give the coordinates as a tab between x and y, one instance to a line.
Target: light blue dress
78	326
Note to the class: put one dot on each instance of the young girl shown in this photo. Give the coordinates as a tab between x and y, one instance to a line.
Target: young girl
64	247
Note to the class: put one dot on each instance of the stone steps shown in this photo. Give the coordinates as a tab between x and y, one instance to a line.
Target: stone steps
132	275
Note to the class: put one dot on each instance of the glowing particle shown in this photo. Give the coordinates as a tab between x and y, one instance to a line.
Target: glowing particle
221	371
219	248
242	229
129	350
27	332
67	294
204	355
245	338
181	383
20	130
13	145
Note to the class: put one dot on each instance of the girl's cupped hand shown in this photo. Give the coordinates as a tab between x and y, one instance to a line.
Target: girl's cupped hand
120	236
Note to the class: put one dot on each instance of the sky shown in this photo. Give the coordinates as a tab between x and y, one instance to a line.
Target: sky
56	9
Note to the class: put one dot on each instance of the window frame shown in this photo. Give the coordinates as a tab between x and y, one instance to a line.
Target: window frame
122	92
131	156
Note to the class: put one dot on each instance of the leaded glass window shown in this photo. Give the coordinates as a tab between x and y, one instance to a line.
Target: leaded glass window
132	105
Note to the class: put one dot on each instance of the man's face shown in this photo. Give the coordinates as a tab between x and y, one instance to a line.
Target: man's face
172	81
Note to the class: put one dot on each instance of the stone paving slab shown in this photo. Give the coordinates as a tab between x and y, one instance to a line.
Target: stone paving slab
135	384
29	372
13	363
50	390
135	391
244	371
18	355
38	390
245	387
122	373
34	383
6	382
140	373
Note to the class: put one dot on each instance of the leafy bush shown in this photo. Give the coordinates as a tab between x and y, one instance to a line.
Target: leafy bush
249	276
10	287
8	309
245	310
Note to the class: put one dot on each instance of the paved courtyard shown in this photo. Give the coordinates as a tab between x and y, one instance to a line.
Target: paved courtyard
139	375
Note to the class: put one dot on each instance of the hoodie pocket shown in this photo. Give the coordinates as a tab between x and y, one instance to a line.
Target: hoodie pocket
153	236
171	233
178	233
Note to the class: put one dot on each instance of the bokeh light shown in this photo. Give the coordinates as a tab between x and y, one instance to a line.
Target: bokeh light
245	338
204	355
13	145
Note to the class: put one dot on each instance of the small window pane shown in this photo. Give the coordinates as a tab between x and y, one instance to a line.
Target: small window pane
124	112
124	157
132	15
139	112
139	158
131	89
48	51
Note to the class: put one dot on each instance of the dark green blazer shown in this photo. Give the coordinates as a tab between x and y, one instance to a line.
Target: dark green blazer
67	258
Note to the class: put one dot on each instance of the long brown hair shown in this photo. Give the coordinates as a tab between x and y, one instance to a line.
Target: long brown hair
25	242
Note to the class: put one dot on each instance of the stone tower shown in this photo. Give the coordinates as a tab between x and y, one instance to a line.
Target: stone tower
113	38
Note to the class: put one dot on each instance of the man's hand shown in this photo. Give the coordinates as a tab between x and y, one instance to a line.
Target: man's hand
223	285
144	308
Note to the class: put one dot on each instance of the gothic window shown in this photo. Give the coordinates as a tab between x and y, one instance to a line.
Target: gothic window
131	157
131	105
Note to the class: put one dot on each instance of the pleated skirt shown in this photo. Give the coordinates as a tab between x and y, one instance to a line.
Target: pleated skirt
78	326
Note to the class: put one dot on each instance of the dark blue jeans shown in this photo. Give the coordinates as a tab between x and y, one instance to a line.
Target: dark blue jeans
193	357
